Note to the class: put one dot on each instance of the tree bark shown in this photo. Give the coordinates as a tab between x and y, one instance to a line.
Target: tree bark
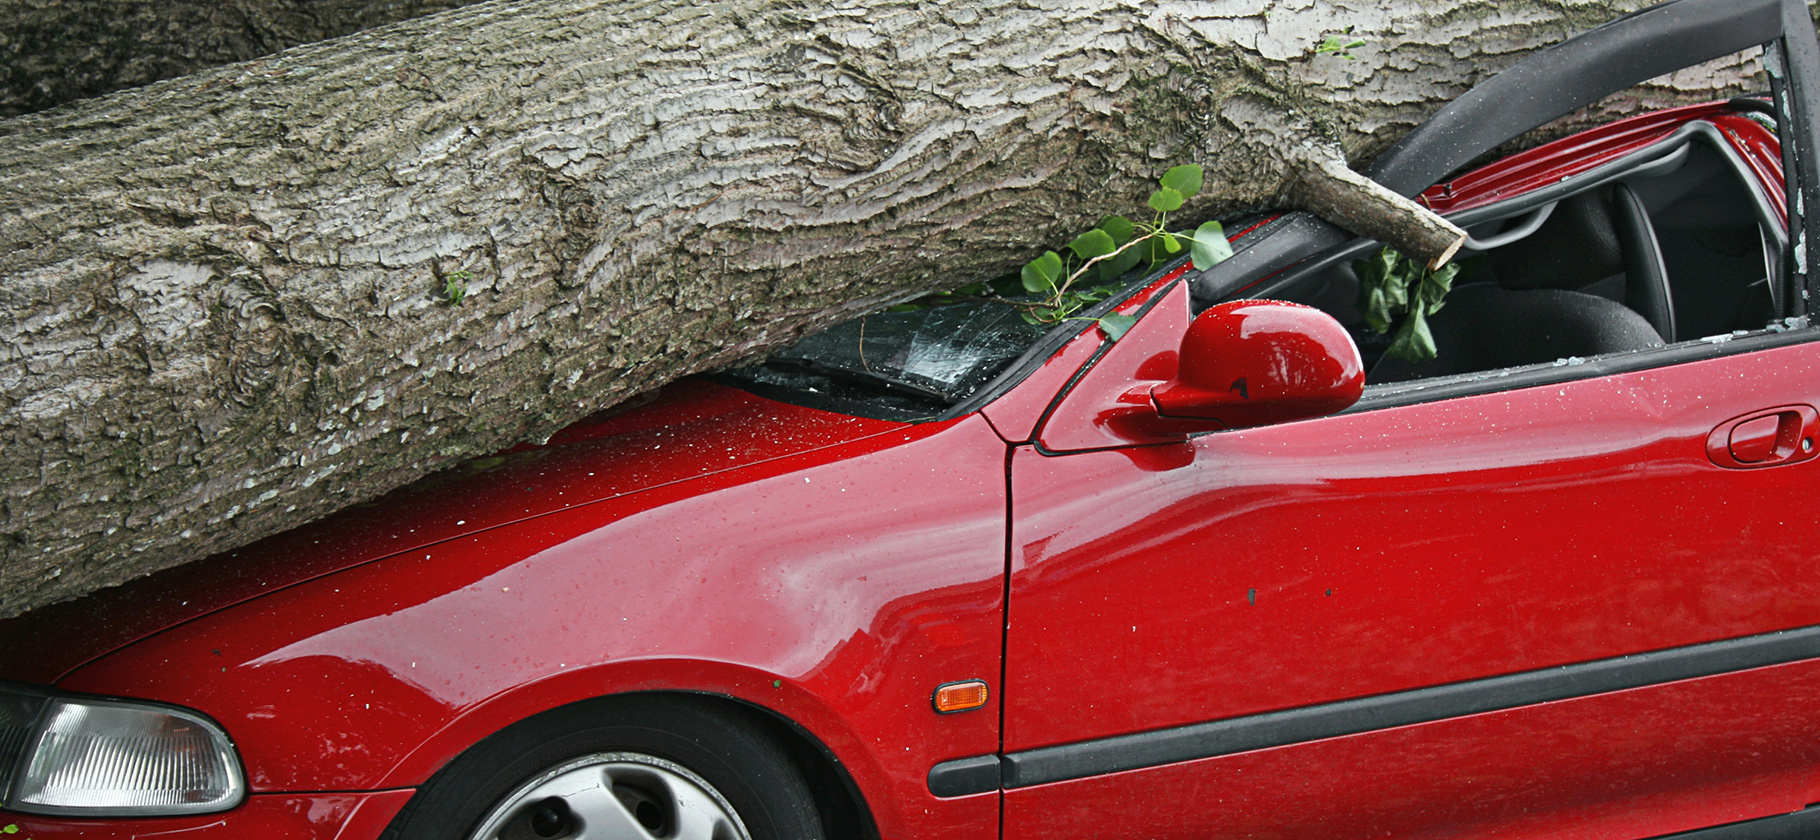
223	298
58	51
1325	186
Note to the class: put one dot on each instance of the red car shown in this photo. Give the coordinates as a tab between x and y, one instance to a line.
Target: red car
956	575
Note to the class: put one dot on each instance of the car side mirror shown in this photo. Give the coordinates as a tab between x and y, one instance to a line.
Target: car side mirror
1252	363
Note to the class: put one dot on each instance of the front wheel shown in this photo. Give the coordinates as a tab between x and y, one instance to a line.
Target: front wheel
638	767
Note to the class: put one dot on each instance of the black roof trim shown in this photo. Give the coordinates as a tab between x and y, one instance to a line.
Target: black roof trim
1577	72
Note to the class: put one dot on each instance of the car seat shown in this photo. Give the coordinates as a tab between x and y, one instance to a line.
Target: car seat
1540	308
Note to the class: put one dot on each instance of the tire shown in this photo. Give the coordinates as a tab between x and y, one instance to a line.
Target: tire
635	767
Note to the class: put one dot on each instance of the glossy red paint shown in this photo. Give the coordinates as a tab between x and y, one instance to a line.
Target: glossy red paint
310	816
1254	362
1563	159
697	429
1386	550
1093	412
1139	378
1015	414
1676	760
1350	504
1783	435
836	587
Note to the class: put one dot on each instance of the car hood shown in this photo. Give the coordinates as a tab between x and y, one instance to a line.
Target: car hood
688	430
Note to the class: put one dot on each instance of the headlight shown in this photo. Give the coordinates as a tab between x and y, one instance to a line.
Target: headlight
92	757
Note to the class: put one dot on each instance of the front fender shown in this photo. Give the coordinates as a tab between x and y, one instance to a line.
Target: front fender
836	588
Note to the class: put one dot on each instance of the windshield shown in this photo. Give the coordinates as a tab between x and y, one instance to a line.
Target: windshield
919	360
951	350
902	364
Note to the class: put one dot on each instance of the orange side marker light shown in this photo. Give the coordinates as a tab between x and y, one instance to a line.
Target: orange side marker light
960	696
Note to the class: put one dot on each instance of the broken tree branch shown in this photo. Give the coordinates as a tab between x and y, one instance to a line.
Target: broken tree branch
1324	185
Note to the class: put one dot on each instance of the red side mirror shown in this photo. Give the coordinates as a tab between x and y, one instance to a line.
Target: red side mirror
1255	362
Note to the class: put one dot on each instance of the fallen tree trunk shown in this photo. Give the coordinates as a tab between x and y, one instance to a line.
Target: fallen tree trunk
226	301
58	51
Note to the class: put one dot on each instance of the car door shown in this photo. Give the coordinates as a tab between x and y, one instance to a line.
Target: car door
1582	606
1526	609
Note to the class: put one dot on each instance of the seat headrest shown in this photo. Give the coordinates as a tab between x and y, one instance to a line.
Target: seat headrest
1575	248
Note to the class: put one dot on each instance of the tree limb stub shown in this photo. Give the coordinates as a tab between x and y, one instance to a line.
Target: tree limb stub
1324	185
1313	175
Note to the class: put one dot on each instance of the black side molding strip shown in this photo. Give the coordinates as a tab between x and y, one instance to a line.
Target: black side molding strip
963	776
1799	825
1350	717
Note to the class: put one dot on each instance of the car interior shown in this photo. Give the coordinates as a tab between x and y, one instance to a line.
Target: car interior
1670	244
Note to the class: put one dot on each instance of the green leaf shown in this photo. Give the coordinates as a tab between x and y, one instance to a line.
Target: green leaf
1166	200
1386	261
1369	277
1115	326
1041	274
1184	179
1093	243
1209	247
1339	46
10	829
1377	310
1435	285
1396	290
1392	286
1414	343
1118	227
1171	243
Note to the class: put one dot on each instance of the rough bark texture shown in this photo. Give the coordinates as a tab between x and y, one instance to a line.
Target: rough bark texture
1325	186
222	307
57	51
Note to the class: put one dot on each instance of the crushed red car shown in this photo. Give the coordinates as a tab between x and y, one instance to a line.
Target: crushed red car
1240	572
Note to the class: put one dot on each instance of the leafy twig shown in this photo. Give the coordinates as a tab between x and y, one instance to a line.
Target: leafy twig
1392	286
1111	248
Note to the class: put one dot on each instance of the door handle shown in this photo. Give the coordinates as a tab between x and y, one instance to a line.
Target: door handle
1767	438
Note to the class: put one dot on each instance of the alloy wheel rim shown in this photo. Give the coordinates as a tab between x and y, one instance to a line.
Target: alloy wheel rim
613	796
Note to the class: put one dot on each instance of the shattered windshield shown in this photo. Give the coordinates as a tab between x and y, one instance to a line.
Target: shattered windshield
951	349
901	364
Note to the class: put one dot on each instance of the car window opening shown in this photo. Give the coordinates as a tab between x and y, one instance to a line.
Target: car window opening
1673	244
